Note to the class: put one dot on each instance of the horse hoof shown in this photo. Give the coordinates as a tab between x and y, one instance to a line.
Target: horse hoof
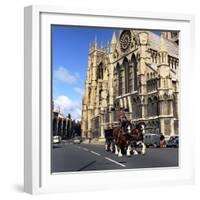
119	155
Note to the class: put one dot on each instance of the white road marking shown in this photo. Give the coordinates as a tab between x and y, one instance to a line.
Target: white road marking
95	153
111	160
85	149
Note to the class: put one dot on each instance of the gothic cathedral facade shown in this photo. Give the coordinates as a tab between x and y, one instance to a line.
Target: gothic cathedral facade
137	72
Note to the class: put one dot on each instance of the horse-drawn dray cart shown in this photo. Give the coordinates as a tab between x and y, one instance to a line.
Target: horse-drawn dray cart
108	133
126	139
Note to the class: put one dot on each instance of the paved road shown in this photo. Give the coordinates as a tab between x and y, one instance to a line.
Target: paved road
67	157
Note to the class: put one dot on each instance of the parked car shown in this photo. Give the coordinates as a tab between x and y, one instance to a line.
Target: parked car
173	141
152	139
77	140
56	139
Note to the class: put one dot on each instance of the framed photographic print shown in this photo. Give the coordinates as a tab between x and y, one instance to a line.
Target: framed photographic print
107	97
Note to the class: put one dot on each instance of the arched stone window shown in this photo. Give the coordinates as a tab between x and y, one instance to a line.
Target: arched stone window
100	97
175	105
155	106
125	65
115	83
134	64
100	71
89	94
166	105
130	78
127	76
137	109
149	107
121	80
152	107
91	72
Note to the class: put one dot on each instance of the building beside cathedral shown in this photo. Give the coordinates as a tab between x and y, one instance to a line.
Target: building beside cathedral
137	72
63	125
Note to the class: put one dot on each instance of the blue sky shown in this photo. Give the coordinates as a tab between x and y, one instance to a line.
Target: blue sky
69	63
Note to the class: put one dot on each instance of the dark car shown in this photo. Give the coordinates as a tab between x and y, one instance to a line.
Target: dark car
173	141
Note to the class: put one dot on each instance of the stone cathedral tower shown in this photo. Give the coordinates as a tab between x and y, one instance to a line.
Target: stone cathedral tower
136	72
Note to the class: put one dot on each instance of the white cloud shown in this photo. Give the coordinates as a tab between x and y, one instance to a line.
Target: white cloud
62	74
79	91
66	106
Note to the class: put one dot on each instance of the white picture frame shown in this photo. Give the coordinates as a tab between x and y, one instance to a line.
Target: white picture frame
37	176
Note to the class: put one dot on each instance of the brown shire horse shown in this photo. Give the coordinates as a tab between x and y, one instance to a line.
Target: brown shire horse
121	136
137	138
128	138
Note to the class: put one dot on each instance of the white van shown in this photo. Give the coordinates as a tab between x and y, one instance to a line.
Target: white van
152	139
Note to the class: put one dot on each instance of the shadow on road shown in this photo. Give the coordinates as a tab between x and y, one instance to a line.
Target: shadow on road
89	164
57	146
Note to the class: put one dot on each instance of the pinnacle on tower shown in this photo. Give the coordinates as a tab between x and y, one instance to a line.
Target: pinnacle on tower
101	45
114	40
163	51
95	42
162	45
108	46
